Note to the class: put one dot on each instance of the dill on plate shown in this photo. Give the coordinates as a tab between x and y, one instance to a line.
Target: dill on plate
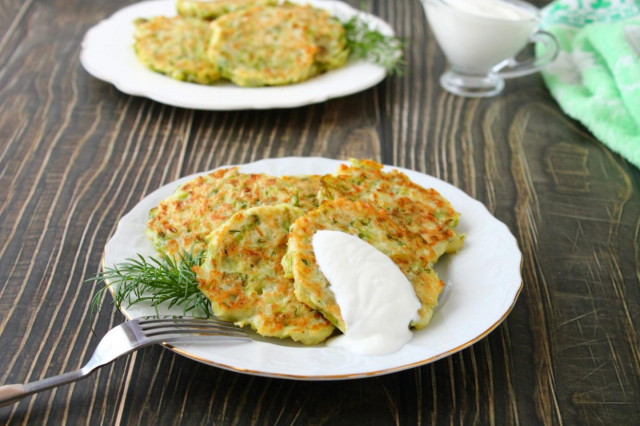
147	279
365	42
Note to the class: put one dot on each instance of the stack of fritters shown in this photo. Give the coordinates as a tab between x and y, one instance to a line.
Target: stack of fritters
250	42
256	231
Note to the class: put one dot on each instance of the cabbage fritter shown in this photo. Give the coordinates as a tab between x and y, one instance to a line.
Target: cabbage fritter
329	36
215	8
242	276
182	221
423	211
176	47
276	45
371	224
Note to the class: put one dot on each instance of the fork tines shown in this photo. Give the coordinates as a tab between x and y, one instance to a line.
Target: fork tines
177	327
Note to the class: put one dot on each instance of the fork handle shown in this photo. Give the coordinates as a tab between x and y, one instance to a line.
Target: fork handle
13	393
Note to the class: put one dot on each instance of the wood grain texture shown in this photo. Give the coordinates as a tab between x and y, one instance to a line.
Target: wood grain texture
76	154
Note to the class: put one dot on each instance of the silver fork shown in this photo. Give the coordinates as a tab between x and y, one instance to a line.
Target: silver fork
125	338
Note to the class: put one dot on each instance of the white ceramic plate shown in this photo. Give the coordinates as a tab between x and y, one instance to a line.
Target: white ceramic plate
484	279
107	53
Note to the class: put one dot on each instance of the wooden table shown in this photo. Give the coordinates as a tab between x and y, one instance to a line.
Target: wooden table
76	154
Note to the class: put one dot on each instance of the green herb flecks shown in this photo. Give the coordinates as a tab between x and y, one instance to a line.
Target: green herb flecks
147	279
368	43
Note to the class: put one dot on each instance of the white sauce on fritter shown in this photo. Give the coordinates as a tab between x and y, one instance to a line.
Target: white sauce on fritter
376	300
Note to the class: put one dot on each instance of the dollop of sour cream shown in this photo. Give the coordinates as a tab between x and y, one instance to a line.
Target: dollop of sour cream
376	300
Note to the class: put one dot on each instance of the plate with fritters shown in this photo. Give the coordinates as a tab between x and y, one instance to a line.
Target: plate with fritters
483	277
107	53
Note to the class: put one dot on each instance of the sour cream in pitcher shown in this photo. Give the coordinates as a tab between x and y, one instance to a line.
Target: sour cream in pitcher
376	300
476	35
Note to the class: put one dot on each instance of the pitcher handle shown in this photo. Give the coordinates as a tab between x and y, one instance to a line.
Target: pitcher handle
512	68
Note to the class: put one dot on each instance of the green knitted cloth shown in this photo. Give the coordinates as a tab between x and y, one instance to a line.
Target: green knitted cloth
596	76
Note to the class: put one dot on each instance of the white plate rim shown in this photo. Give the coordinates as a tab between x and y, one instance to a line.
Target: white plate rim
279	166
107	54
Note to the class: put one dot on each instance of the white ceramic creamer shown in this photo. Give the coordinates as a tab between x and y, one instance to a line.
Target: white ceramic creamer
478	37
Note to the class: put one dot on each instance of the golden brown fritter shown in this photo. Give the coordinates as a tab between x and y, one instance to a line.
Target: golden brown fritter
176	47
276	45
328	35
182	221
242	276
423	211
373	225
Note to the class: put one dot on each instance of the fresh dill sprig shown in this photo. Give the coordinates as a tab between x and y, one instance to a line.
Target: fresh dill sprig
147	279
365	42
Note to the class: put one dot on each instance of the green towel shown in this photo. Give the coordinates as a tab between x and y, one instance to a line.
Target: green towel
596	76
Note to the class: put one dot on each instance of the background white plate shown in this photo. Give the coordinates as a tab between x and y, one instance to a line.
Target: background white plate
107	53
484	278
